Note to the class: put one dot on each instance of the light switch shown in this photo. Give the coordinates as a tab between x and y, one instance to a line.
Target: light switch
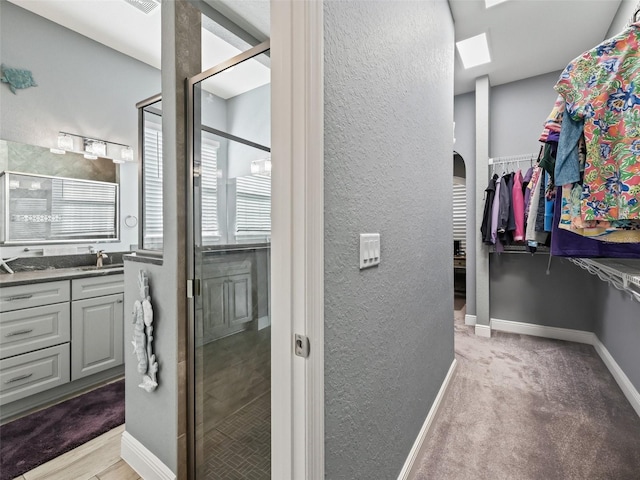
369	249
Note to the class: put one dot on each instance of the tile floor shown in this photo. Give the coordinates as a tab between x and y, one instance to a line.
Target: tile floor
234	408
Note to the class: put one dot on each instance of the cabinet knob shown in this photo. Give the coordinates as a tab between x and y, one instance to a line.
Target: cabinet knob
119	301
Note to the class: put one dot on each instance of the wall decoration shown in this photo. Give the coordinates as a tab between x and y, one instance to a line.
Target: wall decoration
17	78
143	335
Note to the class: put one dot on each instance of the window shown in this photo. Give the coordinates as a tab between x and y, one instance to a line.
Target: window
209	190
84	209
253	205
460	212
152	184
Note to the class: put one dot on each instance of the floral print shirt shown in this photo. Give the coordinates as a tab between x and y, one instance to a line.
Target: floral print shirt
602	86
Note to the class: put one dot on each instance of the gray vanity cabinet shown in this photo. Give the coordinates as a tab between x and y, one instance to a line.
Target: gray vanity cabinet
97	325
34	339
227	299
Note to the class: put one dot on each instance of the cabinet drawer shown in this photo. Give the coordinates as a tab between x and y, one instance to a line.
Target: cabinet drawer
34	295
33	372
22	331
97	286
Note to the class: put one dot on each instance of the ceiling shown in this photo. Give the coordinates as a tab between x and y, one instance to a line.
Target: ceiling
126	29
526	37
530	37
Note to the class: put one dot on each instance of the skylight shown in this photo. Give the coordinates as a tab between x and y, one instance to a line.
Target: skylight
493	3
474	51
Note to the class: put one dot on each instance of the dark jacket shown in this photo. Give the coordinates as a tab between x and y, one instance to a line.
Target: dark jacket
490	193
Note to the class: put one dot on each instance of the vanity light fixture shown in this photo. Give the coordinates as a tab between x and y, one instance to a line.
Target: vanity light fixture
126	154
261	167
93	148
65	141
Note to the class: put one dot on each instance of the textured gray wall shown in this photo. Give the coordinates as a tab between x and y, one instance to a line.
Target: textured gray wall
464	114
522	291
617	325
388	143
518	111
83	87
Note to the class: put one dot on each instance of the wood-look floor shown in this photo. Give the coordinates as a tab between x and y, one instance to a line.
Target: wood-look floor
98	459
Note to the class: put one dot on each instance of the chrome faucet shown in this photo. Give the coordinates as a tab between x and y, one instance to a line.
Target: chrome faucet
99	256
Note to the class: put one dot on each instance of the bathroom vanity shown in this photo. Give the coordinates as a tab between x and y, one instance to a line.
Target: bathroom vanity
61	331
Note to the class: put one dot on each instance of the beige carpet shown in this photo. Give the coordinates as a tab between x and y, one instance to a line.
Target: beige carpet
524	407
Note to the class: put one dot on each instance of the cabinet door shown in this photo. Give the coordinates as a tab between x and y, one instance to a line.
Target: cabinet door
239	297
97	341
213	309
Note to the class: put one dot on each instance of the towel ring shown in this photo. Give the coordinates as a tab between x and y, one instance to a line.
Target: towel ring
130	221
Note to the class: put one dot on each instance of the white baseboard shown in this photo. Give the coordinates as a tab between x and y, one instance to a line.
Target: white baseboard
264	322
483	330
408	470
145	463
623	381
470	319
578	336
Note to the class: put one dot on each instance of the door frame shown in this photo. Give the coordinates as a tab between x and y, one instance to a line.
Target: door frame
297	250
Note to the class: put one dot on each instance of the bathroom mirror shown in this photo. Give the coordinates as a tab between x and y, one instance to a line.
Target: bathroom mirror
56	198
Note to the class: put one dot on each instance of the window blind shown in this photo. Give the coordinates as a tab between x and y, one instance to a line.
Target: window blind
209	189
152	184
460	214
253	204
152	168
83	210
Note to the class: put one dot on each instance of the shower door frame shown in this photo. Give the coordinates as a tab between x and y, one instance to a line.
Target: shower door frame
297	240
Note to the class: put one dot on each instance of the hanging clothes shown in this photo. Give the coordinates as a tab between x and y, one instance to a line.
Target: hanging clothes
517	200
568	244
485	228
599	88
567	166
495	211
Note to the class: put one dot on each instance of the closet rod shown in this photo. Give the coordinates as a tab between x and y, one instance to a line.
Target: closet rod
514	159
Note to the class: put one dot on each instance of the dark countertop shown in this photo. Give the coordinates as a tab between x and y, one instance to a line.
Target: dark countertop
53	274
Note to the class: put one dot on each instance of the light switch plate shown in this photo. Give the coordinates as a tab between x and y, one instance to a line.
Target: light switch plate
369	250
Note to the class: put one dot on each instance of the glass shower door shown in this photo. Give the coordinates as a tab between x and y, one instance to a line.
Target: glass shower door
230	329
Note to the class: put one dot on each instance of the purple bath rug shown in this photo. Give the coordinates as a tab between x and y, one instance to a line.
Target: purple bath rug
35	439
